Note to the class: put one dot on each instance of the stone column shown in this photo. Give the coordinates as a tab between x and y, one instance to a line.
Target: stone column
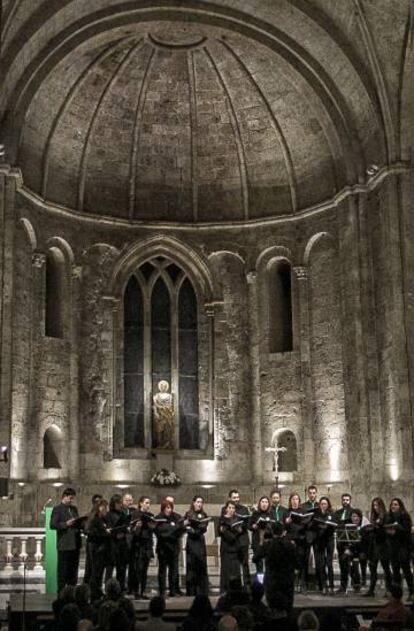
33	434
358	444
8	185
74	315
308	468
209	309
254	346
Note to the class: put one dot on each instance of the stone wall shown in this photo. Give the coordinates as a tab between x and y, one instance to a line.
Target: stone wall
342	390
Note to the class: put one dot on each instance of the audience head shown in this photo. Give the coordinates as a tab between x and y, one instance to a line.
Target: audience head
115	503
396	591
113	589
157	606
243	617
346	499
201	607
278	602
119	621
69	617
67	594
82	594
308	620
227	623
104	614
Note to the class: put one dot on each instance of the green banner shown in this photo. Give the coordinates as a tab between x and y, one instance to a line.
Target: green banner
50	554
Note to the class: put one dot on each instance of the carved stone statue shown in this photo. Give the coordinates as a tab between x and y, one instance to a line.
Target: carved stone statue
163	417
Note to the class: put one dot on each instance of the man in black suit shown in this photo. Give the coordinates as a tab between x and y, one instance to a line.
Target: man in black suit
242	512
342	517
309	506
65	520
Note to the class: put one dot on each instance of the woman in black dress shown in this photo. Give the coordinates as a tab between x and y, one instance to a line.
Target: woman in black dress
143	525
399	543
230	528
377	545
260	521
169	528
324	526
196	522
99	538
296	528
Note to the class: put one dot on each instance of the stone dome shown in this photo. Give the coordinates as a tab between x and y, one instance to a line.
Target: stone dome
179	122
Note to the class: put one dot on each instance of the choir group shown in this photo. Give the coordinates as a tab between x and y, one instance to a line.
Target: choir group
120	537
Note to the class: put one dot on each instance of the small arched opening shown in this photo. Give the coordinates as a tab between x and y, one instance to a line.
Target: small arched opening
52	448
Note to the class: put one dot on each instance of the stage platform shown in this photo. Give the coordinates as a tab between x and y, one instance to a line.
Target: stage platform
29	612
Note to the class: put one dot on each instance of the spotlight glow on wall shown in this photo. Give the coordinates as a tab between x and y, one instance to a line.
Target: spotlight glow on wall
334	456
393	469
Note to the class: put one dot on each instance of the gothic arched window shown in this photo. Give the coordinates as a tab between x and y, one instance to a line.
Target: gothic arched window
160	343
280	307
54	294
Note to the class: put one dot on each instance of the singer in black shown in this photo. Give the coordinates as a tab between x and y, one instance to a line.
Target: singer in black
260	521
230	530
310	506
99	539
88	560
196	522
65	520
343	517
243	515
324	526
378	546
296	524
399	542
143	525
118	524
169	529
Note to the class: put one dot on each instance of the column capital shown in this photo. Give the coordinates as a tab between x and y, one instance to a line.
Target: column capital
38	259
211	308
301	272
